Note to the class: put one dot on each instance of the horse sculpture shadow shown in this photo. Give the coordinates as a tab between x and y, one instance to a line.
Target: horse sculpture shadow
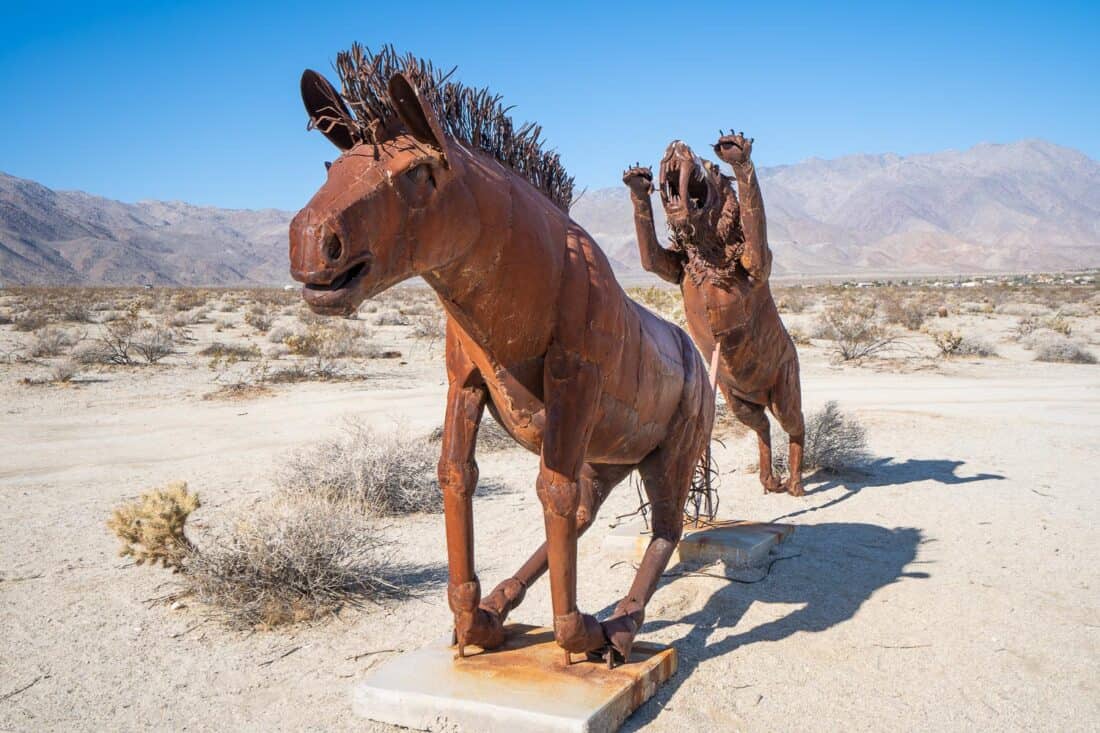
833	569
886	472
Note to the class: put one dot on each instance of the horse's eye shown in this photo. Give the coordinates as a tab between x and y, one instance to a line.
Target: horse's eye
419	174
328	164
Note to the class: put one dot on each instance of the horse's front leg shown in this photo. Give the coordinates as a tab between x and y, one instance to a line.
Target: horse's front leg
572	388
458	476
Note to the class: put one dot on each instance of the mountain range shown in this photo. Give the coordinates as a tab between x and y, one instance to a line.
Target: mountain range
1028	205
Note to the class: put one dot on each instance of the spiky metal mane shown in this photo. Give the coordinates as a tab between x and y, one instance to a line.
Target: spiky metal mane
475	116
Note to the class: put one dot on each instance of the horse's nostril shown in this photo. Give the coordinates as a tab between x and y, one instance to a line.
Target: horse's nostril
332	248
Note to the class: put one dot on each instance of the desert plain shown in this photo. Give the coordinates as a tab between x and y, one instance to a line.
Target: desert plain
947	580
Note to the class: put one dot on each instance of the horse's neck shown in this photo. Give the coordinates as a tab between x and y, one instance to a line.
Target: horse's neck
512	272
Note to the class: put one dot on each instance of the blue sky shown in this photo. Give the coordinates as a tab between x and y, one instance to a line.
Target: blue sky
199	101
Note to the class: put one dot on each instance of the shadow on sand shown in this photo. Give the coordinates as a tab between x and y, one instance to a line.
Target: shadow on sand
837	568
885	472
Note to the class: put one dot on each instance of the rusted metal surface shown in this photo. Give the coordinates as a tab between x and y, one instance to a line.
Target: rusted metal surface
719	256
538	330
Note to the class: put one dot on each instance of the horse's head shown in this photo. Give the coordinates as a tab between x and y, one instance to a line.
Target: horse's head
693	192
390	209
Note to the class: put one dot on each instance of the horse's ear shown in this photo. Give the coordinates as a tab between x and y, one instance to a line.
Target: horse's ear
420	119
326	109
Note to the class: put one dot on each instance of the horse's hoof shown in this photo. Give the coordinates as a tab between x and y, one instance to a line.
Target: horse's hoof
795	489
481	628
620	631
772	485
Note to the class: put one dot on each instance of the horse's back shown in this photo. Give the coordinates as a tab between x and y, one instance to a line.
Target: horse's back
647	363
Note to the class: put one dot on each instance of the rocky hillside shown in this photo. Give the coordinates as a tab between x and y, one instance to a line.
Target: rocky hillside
1030	205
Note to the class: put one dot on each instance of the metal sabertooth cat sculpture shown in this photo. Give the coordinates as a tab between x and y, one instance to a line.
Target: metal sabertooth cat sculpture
433	180
720	241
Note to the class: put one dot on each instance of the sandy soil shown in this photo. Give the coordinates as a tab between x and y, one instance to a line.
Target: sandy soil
952	586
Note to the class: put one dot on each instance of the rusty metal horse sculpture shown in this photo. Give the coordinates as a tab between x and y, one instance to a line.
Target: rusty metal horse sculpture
721	244
434	180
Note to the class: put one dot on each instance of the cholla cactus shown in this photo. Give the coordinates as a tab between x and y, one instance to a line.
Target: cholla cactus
152	528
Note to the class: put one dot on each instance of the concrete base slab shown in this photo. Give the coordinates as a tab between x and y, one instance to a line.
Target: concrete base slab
739	544
523	686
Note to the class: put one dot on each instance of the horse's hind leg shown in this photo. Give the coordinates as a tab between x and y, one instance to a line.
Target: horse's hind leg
596	483
666	474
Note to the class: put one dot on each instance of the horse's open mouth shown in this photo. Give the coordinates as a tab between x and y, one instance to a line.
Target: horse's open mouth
677	175
338	293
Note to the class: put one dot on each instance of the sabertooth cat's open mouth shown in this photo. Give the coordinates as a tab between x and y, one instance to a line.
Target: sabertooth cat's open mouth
683	180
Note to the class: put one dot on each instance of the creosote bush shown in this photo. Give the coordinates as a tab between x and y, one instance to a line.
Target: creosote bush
854	327
386	472
152	527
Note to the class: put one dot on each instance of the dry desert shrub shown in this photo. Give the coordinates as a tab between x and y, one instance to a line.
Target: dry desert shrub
227	352
63	372
389	318
793	301
855	329
259	318
1022	309
909	313
330	340
800	337
1076	310
289	559
152	527
665	302
835	442
953	343
431	327
124	341
1064	351
490	436
75	310
29	321
385	472
52	341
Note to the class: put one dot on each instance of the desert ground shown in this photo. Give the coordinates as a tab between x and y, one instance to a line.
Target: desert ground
946	581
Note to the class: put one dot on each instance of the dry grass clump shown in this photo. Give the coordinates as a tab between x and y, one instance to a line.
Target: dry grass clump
152	527
952	343
1064	351
835	442
386	472
854	328
289	560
